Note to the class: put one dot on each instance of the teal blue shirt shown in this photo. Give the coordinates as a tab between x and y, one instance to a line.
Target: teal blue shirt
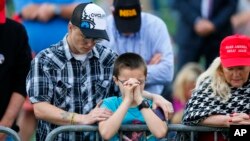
133	116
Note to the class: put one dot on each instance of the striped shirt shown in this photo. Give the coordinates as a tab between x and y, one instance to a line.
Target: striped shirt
152	38
76	86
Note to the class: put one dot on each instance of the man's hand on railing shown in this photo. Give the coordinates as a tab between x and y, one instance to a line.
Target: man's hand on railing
166	106
95	115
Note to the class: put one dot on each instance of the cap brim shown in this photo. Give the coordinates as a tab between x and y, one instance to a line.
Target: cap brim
94	33
131	25
232	62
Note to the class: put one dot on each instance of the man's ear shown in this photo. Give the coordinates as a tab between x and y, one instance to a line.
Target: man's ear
115	80
70	27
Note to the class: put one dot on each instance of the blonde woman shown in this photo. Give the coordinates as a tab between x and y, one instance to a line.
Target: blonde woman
222	93
182	88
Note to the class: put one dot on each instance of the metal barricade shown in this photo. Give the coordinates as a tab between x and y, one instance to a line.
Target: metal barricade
171	127
74	128
10	132
193	129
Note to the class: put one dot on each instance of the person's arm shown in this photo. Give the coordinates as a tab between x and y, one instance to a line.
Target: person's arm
12	110
108	128
226	120
204	27
44	110
64	10
176	119
22	54
48	10
240	19
45	11
29	12
240	119
159	101
156	126
162	71
217	121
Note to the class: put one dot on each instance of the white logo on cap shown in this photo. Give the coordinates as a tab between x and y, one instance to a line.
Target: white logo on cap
97	15
236	48
88	20
93	17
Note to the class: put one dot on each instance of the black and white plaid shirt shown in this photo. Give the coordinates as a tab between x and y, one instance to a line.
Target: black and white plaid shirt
76	86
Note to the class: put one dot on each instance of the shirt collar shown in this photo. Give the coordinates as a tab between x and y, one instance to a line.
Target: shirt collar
93	53
66	48
133	35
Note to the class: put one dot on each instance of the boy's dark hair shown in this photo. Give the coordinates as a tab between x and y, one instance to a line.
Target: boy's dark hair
131	61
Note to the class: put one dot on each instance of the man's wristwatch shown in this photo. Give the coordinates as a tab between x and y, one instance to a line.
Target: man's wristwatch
144	104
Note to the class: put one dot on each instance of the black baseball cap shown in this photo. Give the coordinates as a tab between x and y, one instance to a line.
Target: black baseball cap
127	15
91	19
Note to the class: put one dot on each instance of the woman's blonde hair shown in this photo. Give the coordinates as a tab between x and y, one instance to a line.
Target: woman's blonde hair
188	74
218	82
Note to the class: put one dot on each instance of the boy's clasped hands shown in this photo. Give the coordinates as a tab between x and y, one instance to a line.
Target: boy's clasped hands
132	91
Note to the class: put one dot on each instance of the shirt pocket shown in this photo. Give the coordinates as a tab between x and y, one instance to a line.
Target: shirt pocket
101	89
62	95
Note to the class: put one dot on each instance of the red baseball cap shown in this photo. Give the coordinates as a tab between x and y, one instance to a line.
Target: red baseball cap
235	51
2	12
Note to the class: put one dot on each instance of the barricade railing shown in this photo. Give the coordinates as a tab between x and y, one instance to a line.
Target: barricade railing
171	127
10	132
193	129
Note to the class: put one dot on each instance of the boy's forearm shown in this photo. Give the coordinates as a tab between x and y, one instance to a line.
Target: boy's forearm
154	123
110	127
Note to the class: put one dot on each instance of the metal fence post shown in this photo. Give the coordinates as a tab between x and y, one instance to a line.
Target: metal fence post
10	132
73	128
